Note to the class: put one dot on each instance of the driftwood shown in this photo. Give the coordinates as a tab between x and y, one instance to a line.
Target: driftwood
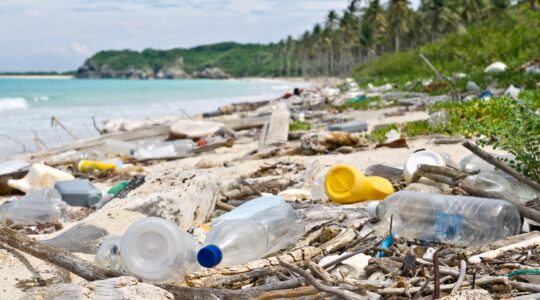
246	123
136	134
501	165
241	107
276	131
437	73
55	256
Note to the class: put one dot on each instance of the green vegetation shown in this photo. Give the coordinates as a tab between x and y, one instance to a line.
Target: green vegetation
371	103
299	126
507	124
233	58
510	36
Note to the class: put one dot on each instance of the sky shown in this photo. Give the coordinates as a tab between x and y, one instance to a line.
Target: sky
58	35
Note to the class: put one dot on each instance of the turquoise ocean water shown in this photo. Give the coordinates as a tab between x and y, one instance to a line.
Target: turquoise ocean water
27	105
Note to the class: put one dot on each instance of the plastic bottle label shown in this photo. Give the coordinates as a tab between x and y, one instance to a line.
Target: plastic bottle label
447	226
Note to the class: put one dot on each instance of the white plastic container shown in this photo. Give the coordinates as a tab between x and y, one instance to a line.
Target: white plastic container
423	157
39	177
44	206
253	230
456	220
157	250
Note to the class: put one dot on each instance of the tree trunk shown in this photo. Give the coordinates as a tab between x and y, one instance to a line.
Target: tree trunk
396	43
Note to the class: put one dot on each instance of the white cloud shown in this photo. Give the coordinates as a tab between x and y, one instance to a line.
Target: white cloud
80	49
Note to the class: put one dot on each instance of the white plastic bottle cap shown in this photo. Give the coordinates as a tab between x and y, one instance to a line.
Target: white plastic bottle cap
372	209
425	157
151	248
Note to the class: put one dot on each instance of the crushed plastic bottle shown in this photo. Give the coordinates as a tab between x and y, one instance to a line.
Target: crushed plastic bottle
78	192
502	187
456	220
163	149
44	206
157	250
253	230
39	177
108	255
438	118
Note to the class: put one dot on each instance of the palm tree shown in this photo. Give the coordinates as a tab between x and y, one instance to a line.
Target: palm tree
442	16
399	20
473	10
375	23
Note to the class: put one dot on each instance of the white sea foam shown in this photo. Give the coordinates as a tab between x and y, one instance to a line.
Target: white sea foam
16	103
40	99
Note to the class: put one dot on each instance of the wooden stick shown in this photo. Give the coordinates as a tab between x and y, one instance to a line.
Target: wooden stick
95	125
289	293
59	257
501	165
436	275
343	294
55	121
445	171
432	67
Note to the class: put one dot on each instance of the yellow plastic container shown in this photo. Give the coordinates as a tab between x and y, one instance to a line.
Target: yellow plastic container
90	166
344	184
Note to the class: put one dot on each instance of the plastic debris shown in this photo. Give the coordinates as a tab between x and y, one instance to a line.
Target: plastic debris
39	177
252	230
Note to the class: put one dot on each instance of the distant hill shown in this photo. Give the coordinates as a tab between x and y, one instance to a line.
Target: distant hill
512	37
220	60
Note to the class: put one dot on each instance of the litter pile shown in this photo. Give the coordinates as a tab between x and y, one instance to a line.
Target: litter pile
428	227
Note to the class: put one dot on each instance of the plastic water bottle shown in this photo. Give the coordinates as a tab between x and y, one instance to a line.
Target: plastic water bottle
163	149
456	220
157	250
108	255
253	230
41	207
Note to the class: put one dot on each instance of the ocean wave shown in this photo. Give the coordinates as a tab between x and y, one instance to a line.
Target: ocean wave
16	103
40	99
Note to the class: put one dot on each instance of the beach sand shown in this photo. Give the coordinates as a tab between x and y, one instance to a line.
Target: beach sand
20	271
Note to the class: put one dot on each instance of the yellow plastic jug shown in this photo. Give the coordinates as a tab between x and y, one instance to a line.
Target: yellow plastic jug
344	184
89	166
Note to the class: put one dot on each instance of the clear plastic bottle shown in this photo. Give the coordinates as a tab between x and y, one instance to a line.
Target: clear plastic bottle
163	149
502	187
253	230
456	220
41	207
157	250
108	255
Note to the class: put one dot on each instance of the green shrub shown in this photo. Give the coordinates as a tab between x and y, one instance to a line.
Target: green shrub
299	126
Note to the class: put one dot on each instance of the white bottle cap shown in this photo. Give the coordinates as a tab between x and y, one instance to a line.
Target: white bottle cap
372	209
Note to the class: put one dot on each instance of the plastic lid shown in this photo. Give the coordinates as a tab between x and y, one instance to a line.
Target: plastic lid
209	256
372	209
340	182
152	249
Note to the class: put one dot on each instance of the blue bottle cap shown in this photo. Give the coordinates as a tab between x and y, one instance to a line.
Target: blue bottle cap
209	256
